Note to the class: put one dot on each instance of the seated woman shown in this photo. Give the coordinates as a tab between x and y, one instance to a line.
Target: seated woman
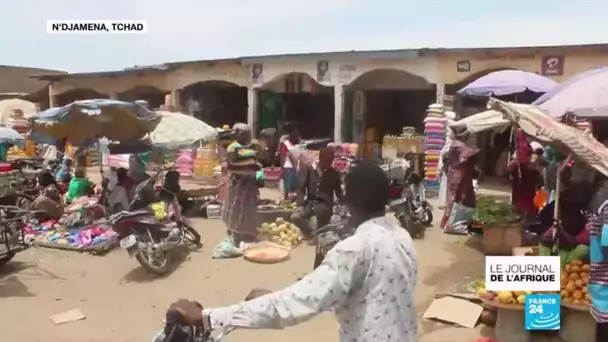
572	237
49	204
79	186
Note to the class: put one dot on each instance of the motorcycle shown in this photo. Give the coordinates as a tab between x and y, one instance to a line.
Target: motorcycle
400	198
420	207
176	331
12	240
153	243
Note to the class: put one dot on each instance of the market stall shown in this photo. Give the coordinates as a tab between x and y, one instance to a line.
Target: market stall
577	324
82	228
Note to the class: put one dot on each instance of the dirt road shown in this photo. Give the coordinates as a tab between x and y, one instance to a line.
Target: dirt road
122	303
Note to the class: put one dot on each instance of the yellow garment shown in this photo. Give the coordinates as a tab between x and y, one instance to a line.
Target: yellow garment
160	210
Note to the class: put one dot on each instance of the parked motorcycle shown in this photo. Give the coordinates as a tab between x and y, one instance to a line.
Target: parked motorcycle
420	207
154	243
12	241
400	197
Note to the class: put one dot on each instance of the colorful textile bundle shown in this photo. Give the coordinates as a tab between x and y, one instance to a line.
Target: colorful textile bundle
434	131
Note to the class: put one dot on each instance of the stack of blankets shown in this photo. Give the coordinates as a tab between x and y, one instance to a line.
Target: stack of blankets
434	132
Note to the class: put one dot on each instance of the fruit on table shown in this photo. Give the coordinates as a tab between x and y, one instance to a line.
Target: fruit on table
281	232
574	282
506	297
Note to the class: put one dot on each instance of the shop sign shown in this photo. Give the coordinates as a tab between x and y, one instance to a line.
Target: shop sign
323	71
463	66
257	73
345	73
552	65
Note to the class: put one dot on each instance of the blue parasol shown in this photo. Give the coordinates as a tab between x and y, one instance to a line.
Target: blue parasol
11	137
584	95
508	82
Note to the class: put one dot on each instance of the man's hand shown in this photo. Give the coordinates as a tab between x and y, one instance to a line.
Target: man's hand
255	293
192	312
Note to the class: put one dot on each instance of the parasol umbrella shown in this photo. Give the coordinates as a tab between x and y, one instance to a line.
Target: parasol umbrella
83	122
538	125
584	95
11	137
177	130
508	82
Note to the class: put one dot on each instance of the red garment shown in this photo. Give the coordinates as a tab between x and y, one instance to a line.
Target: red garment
525	179
461	160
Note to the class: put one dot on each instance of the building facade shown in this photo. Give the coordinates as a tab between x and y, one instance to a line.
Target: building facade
442	71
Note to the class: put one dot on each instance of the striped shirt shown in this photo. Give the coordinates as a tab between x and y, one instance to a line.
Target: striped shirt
598	275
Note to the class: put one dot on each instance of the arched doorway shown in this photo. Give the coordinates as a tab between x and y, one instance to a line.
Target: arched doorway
153	96
217	103
297	97
389	99
78	94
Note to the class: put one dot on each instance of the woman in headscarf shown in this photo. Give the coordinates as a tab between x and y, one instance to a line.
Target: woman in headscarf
525	176
243	192
48	204
460	160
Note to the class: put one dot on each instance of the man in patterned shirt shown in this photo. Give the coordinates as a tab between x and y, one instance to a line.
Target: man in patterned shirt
367	279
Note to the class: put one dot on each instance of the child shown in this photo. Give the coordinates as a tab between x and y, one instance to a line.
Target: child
79	186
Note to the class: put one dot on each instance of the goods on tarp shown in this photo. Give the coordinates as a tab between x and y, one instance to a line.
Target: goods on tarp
282	232
574	282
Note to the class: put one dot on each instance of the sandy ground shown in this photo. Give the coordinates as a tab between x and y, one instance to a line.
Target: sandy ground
123	303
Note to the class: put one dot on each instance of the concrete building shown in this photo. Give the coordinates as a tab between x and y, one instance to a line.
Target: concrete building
350	90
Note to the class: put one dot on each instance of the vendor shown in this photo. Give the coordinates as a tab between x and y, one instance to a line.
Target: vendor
79	186
64	172
598	224
319	185
287	161
525	176
48	204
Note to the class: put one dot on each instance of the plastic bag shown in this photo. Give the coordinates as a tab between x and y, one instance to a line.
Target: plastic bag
459	220
226	249
160	210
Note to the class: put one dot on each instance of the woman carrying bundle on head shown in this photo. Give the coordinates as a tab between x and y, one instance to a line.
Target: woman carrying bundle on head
240	206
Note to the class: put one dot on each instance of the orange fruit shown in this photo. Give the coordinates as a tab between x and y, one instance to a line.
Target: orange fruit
586	268
577	295
570	287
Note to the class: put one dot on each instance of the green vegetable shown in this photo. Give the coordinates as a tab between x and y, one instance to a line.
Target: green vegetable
489	211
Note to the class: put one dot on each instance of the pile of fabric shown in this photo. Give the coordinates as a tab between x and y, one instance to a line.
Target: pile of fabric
81	227
434	131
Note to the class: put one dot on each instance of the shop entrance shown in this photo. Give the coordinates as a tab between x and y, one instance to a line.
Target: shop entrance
152	95
217	103
381	102
296	97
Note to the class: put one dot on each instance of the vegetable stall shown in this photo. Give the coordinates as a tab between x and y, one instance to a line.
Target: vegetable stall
577	323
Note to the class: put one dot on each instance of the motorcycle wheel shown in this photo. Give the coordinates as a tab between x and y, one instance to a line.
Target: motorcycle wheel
192	235
150	266
427	217
415	229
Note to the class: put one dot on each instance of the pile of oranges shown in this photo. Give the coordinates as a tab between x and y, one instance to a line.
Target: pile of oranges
574	281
